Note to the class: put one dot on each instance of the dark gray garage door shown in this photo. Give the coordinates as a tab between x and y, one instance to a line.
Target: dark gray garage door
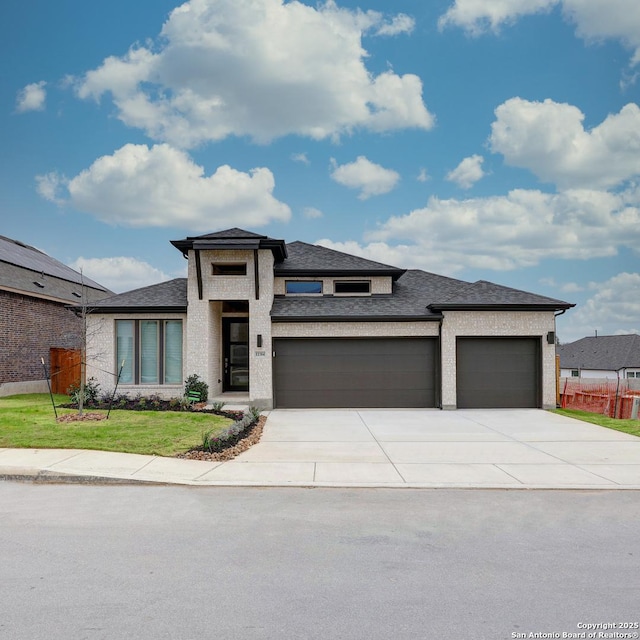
498	373
354	373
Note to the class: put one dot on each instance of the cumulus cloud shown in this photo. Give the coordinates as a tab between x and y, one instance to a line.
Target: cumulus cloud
51	186
161	186
505	232
32	97
259	68
594	19
468	172
120	273
423	176
614	308
549	139
372	179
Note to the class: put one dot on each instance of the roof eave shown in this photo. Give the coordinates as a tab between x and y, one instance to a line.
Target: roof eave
499	307
352	318
92	309
336	273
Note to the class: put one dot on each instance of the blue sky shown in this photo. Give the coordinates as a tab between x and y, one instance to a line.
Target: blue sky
481	139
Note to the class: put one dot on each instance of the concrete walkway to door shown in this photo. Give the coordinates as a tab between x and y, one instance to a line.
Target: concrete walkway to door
502	449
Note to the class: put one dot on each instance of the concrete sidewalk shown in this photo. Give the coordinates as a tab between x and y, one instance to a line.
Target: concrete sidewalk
502	449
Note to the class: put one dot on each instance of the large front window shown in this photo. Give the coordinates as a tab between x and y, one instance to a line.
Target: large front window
149	351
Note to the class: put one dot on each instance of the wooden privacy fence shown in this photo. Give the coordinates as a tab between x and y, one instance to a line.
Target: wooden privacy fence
64	368
613	398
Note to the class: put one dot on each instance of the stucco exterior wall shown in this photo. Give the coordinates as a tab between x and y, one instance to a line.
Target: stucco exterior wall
497	323
101	354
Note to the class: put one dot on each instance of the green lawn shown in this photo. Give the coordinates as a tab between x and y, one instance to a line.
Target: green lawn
627	426
28	421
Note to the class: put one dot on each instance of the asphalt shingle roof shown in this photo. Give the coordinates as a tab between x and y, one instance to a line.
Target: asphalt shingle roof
30	271
304	258
483	293
412	292
608	353
165	296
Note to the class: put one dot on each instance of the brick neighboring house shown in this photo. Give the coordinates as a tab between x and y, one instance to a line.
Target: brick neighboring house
299	325
35	293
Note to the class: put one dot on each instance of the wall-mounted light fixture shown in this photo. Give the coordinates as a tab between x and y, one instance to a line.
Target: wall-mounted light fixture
259	341
551	337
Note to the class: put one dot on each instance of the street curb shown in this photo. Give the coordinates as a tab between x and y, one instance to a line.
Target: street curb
38	476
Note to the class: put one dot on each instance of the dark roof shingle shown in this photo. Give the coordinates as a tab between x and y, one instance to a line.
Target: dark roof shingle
607	353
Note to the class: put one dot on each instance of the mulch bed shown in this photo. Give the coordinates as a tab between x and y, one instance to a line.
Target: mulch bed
85	417
251	438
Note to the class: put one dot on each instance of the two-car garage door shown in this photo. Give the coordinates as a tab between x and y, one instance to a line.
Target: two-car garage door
367	372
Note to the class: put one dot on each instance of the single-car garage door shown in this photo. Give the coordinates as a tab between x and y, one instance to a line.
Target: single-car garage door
498	373
389	372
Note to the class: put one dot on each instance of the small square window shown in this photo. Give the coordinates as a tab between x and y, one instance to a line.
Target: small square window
345	286
303	286
229	269
575	373
632	374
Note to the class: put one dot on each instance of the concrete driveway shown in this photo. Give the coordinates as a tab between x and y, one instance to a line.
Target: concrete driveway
512	449
465	448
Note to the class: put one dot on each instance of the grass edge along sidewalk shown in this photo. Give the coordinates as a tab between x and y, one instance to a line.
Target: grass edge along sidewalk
629	426
28	421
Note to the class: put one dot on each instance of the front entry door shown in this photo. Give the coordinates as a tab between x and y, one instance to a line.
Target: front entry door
236	354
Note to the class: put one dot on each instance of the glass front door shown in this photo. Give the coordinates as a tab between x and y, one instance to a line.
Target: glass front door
236	354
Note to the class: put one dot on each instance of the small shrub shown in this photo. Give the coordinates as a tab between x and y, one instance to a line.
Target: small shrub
217	406
91	392
229	436
194	383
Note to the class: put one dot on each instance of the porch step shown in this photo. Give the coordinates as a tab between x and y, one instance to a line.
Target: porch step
233	400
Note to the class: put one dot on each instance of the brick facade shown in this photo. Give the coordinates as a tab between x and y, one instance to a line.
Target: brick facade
29	327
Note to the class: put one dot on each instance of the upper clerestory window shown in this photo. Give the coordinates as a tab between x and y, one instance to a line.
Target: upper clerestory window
303	286
346	286
229	269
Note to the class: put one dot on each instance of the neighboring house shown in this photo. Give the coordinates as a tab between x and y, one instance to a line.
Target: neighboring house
299	325
601	357
35	294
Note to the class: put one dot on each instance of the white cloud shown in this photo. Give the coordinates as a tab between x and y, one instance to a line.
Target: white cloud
594	19
32	97
259	68
301	158
312	213
468	172
479	16
613	309
506	232
51	186
372	179
161	186
423	176
402	23
549	139
120	273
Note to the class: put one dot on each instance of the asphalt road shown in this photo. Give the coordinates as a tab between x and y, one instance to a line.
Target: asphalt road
120	562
